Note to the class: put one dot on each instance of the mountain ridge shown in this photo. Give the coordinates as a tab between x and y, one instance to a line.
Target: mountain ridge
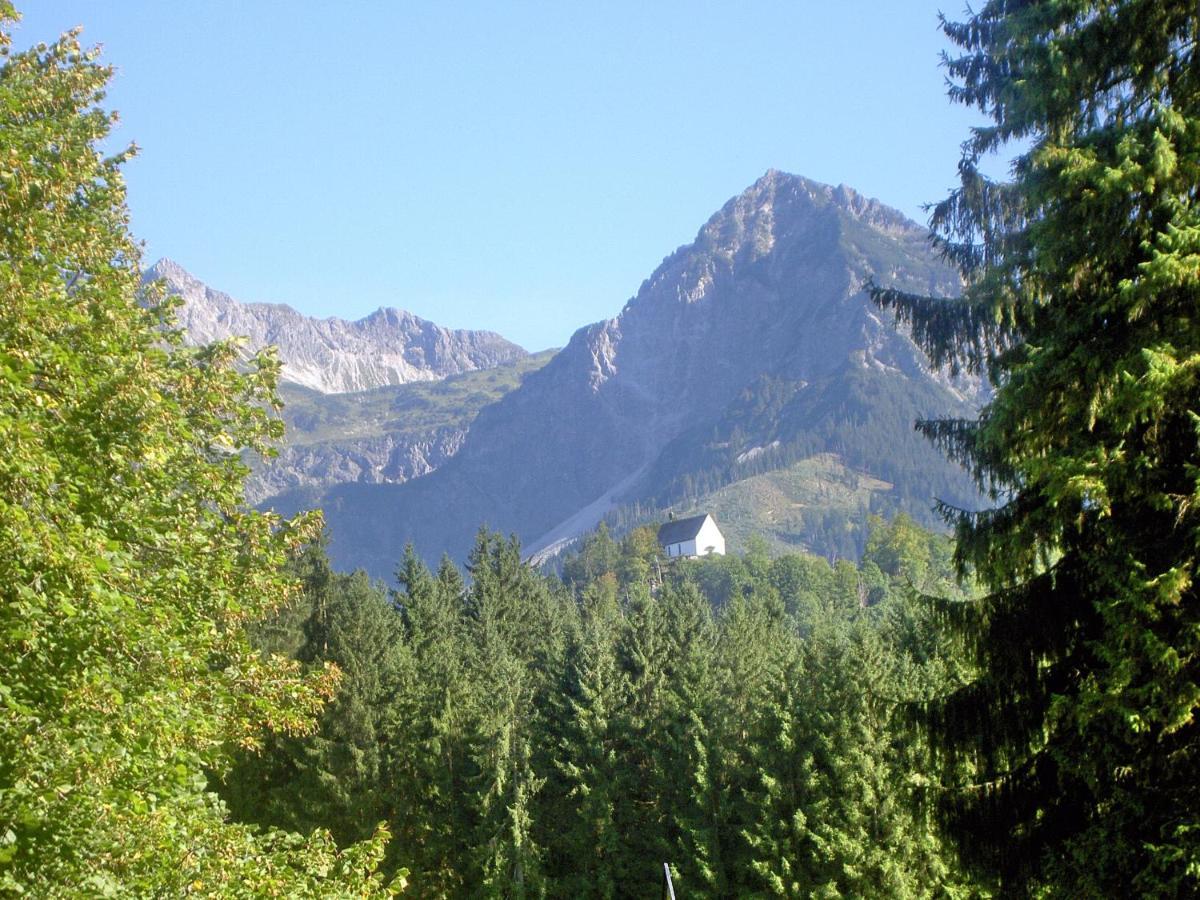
771	286
386	347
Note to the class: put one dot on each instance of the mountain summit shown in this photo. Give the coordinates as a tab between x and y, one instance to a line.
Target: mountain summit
753	346
333	356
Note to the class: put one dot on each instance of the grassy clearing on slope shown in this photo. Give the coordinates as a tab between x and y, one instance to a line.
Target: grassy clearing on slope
418	407
796	507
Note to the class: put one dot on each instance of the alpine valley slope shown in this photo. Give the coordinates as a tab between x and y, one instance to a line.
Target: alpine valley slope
385	435
753	347
381	400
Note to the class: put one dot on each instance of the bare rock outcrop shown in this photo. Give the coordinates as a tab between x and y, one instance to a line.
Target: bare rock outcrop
388	347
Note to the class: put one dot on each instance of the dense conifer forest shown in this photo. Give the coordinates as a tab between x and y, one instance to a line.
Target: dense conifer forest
527	735
513	733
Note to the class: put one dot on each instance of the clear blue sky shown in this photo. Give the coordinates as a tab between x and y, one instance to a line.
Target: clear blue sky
515	166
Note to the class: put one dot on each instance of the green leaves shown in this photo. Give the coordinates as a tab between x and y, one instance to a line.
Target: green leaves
128	562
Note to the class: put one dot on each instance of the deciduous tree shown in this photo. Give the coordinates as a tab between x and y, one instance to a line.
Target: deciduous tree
128	562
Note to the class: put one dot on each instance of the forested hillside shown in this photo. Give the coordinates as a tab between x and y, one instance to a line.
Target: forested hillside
525	735
834	452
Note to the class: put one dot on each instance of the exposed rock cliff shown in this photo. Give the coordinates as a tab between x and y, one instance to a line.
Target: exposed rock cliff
390	346
393	457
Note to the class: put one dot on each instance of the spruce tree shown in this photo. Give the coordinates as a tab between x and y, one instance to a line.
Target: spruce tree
643	654
430	750
692	765
583	788
1079	730
507	629
344	781
339	777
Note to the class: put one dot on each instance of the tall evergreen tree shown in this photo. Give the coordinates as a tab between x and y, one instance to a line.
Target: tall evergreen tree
430	749
338	777
343	778
597	555
643	654
1080	728
692	768
583	789
860	837
508	629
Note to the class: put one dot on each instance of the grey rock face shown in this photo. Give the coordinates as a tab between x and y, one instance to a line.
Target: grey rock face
772	285
383	459
388	347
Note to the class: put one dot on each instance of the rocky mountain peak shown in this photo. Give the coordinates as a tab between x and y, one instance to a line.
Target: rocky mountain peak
387	347
779	201
175	275
769	279
760	323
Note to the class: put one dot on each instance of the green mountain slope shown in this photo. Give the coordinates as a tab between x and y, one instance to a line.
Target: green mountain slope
313	417
861	415
385	435
815	504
